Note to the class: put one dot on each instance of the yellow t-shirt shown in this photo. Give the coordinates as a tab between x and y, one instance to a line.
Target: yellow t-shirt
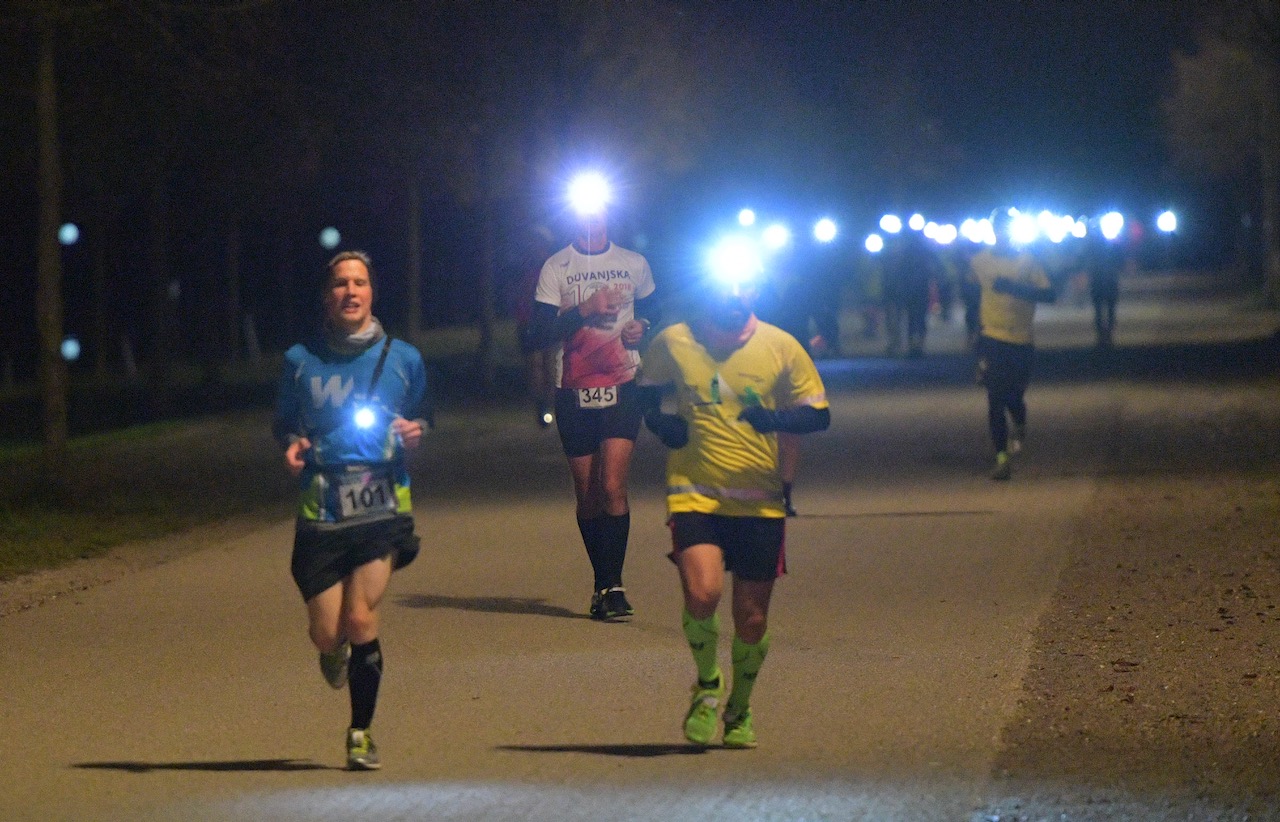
1003	316
728	467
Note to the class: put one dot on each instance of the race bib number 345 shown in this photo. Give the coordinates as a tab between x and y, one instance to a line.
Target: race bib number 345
606	397
365	493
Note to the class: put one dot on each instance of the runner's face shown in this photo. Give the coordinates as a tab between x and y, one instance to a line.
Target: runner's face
593	232
348	301
728	309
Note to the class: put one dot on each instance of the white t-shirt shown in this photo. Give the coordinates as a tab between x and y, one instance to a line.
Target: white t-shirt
594	356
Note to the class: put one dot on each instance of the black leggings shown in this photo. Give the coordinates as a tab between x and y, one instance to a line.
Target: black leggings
1008	372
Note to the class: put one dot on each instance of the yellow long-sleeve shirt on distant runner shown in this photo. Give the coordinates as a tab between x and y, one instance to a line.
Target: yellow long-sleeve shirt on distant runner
728	467
1001	316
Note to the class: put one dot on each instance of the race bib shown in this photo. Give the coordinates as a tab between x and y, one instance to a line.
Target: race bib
361	493
606	397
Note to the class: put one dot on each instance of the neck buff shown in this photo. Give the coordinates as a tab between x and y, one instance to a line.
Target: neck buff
720	341
359	342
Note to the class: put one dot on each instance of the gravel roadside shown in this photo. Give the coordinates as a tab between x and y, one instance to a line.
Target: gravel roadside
1155	676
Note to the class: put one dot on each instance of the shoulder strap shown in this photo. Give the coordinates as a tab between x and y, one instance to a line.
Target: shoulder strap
377	369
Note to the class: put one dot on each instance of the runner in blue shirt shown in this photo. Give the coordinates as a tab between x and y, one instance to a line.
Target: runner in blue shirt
348	407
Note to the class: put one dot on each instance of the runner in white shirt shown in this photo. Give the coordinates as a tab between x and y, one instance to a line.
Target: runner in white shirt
597	301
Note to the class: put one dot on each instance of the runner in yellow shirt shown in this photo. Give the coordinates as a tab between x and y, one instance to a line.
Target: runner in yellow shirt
1011	284
738	383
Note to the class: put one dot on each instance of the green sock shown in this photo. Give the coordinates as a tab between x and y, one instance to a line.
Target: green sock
704	637
747	660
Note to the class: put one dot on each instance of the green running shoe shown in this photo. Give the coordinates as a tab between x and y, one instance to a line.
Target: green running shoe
335	665
738	732
362	754
700	722
1003	469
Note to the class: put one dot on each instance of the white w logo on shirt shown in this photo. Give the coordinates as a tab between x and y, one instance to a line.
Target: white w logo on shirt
334	390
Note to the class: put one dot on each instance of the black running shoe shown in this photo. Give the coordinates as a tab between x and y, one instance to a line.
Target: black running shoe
610	604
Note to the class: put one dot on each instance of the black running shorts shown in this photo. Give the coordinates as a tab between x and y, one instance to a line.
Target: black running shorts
754	548
323	557
582	430
1008	365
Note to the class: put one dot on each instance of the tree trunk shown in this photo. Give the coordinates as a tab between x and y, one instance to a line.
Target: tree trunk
413	294
231	297
484	292
285	319
101	326
486	355
49	307
163	303
1269	168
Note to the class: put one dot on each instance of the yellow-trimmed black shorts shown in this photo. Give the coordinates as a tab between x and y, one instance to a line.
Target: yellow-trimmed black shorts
323	557
754	548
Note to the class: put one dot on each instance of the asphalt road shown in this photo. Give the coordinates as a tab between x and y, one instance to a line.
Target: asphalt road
901	636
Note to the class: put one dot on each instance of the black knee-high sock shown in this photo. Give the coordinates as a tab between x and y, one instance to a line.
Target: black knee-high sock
592	539
614	530
366	675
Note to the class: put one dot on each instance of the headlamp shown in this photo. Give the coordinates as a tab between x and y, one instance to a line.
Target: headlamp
364	417
734	262
589	194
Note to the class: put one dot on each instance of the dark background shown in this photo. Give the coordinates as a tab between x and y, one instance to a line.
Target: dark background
181	123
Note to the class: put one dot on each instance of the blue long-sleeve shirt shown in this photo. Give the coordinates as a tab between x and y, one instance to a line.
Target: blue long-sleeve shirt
319	396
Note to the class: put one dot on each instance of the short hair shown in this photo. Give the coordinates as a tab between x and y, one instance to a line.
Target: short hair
343	256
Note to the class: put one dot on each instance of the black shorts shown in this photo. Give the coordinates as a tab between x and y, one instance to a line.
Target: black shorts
754	548
582	430
1007	367
323	557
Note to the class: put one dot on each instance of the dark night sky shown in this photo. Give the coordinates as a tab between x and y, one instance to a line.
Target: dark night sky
1047	99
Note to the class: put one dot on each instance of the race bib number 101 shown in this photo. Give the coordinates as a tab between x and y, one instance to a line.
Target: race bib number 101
606	397
366	493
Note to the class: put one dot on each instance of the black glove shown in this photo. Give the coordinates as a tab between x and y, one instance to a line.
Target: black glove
671	429
761	418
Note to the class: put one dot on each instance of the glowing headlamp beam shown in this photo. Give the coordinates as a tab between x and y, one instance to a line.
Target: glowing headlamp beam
364	417
735	261
589	194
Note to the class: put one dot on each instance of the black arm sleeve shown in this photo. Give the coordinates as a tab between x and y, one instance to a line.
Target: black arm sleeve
649	398
671	429
649	308
804	419
1030	293
549	327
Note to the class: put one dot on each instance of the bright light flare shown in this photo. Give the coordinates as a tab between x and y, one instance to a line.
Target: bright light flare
68	234
916	222
746	218
365	417
1023	229
735	261
589	194
329	238
776	236
891	223
1111	223
824	231
1167	222
875	243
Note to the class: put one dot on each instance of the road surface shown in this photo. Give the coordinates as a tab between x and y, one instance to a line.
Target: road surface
907	636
